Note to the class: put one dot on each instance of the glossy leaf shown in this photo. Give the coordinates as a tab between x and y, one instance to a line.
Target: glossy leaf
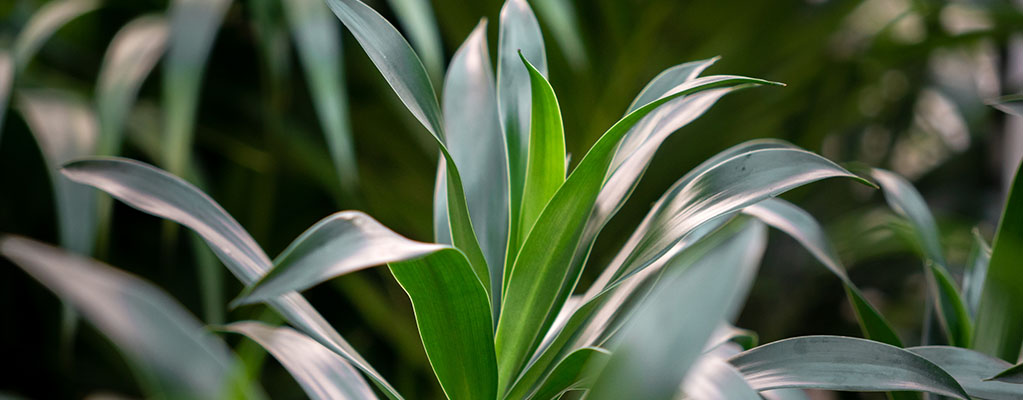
159	193
575	372
799	224
713	378
193	27
418	19
667	80
453	315
532	295
670	330
545	165
842	363
47	20
319	46
1000	311
132	54
477	145
146	325
907	202
320	372
344	242
519	32
971	369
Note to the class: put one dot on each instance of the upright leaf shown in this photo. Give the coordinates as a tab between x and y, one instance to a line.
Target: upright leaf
714	378
47	20
320	372
977	262
319	46
6	82
159	193
519	31
193	27
575	372
670	330
841	363
1000	313
563	23
417	18
156	333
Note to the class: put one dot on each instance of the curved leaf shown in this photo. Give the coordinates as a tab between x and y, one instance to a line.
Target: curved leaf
159	193
575	372
1000	313
667	80
453	315
563	23
713	378
320	372
707	285
1013	374
319	45
147	325
344	242
799	224
976	272
132	54
842	363
6	83
44	23
417	18
519	32
971	369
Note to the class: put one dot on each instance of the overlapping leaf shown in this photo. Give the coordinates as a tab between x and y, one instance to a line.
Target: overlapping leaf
972	370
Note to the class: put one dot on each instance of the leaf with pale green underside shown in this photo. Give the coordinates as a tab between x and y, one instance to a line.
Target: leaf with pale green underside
545	165
320	372
842	363
1013	374
533	288
519	31
971	369
563	22
318	42
799	224
672	327
178	358
713	378
453	315
575	372
907	202
477	145
417	18
193	27
344	242
1000	312
6	83
159	193
401	68
977	262
131	56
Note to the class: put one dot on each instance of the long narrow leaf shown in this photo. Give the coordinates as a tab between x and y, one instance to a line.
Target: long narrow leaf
563	23
575	372
971	369
47	20
714	378
976	272
418	19
841	363
1000	313
1013	374
6	83
320	372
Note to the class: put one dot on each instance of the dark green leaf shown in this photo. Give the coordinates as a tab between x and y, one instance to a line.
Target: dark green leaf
576	372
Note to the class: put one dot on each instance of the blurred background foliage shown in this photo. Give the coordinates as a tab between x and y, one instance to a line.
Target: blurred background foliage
899	84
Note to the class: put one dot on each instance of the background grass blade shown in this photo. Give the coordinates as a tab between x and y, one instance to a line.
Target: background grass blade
159	193
161	339
575	372
477	145
976	272
669	331
519	31
971	369
714	378
320	372
453	315
193	27
344	242
1000	313
799	224
6	84
418	19
319	46
545	164
562	21
43	24
841	363
907	202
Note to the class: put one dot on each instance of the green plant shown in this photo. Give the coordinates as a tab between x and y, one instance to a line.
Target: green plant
495	306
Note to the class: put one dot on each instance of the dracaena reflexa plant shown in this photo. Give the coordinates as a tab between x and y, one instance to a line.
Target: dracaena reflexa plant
496	299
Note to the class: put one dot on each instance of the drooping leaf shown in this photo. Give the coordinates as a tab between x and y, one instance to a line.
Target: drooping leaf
158	335
1000	311
531	301
976	271
713	378
343	242
907	202
842	363
519	31
799	224
417	18
401	68
576	372
667	80
132	54
320	372
159	193
545	165
47	20
477	145
319	45
453	315
971	369
672	327
193	27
